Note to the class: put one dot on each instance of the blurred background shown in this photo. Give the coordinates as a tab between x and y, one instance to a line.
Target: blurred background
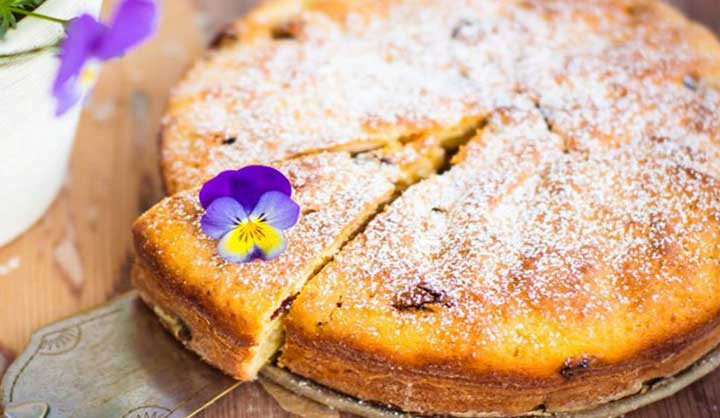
79	254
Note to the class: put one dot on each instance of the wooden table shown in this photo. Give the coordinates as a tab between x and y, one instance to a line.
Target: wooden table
79	255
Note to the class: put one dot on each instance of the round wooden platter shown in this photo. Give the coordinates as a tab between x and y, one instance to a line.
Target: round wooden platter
650	393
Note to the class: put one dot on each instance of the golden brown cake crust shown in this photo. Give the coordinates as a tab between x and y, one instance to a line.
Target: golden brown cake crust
190	324
371	377
570	253
231	310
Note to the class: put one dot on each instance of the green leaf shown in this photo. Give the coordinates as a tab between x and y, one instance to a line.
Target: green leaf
8	19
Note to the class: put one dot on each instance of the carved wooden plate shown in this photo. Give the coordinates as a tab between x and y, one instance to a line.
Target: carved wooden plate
117	361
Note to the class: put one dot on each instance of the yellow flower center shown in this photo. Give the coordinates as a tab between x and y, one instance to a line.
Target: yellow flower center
252	233
89	74
252	230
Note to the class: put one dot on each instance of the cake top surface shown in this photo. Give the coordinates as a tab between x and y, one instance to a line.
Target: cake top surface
336	76
334	190
586	209
523	257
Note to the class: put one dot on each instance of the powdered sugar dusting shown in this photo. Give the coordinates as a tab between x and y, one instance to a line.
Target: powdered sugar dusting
541	252
336	194
13	263
587	206
355	84
604	72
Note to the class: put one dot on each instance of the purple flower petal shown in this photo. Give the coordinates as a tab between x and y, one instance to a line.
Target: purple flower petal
76	50
133	22
66	95
221	217
277	210
231	195
246	185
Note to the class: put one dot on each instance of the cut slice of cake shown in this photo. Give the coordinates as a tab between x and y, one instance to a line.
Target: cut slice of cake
390	296
228	313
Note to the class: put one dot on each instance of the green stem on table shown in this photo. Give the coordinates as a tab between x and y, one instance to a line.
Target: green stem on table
31	51
37	15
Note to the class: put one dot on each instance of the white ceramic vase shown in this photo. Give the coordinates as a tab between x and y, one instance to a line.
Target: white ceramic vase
34	143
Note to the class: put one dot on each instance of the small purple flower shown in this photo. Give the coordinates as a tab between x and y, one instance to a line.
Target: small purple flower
247	210
90	42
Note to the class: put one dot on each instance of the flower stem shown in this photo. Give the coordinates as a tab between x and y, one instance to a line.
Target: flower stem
31	51
37	15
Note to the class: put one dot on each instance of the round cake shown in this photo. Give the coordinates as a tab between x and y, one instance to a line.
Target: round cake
553	241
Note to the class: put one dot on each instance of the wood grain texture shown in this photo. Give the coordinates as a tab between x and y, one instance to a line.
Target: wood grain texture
79	254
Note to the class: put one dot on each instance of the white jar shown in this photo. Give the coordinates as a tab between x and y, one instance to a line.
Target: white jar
34	143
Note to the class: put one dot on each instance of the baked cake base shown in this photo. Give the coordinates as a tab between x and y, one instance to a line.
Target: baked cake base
649	394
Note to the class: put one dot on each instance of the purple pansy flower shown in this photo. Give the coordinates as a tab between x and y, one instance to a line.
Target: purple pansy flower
90	42
247	210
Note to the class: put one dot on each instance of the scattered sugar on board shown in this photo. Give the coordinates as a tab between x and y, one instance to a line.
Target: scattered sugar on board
67	258
11	264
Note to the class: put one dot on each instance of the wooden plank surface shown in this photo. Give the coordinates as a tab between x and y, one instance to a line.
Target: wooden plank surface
79	254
